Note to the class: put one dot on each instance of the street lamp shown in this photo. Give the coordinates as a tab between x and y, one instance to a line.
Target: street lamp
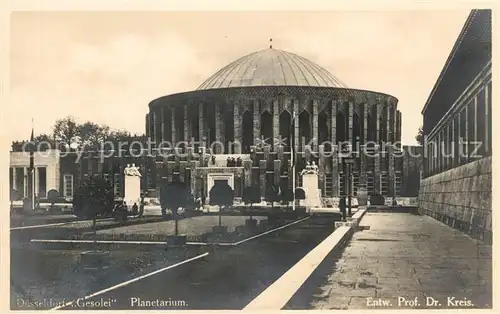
292	154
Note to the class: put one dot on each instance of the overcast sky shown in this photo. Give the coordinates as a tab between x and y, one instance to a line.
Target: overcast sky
107	66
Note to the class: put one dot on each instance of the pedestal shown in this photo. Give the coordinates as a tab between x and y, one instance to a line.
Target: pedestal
132	190
313	193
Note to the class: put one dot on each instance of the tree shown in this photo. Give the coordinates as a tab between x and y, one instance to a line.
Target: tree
92	134
93	198
221	194
52	197
44	142
420	136
172	196
65	130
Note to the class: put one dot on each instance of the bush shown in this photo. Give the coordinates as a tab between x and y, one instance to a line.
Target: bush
377	199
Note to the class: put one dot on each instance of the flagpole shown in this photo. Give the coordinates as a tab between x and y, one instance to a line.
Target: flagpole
31	172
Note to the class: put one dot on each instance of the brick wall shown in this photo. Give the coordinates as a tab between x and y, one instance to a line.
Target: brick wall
461	198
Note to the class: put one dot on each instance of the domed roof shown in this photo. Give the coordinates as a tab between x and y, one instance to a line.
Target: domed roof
271	67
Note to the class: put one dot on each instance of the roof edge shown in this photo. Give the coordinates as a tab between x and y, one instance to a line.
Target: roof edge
451	56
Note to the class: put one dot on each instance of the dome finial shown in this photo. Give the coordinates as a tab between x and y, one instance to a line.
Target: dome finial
270	43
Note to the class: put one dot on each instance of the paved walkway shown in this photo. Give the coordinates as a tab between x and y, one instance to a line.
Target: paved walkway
400	258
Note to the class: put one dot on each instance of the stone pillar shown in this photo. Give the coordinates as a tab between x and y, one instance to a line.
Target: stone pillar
174	131
365	123
238	131
315	126
388	109
262	176
398	126
333	123
277	171
256	122
201	125
350	108
335	172
247	164
36	174
379	114
162	119
296	124
187	125
14	181
376	173
394	123
153	126
363	168
276	123
466	139
452	143
392	172
219	124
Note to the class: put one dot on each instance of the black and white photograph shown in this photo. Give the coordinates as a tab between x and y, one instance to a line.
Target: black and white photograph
250	159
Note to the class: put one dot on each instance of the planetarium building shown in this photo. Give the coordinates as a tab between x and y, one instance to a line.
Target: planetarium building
261	109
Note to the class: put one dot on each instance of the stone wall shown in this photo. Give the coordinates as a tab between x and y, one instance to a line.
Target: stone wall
461	198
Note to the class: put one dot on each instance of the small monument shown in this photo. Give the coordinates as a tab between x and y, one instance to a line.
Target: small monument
132	185
310	186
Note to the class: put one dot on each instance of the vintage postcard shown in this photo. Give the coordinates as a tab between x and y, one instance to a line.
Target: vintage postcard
251	160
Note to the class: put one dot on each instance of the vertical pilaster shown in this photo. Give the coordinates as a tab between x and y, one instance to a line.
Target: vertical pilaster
365	123
392	172
378	117
262	176
219	124
256	122
466	139
276	123
174	129
201	124
315	125
247	164
350	108
376	173
333	123
487	117
162	119
388	129
394	123
277	171
296	124
238	135
187	125
452	144
14	178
